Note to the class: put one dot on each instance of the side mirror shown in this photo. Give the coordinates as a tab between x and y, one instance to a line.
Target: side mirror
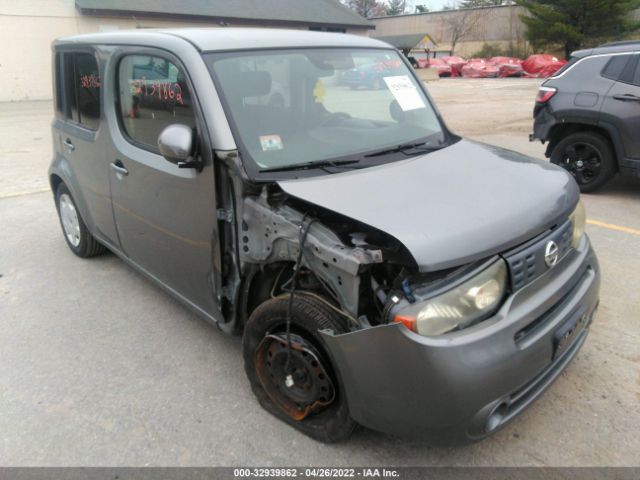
176	145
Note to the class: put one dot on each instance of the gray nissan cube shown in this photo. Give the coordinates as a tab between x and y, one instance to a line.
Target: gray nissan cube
381	270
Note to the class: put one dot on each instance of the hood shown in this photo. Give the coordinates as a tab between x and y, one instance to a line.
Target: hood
457	205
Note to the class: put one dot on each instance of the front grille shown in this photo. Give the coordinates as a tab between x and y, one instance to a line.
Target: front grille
528	262
522	335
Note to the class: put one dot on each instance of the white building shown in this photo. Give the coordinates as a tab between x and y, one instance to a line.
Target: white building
29	26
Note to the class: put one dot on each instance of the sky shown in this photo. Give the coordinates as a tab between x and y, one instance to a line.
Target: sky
432	4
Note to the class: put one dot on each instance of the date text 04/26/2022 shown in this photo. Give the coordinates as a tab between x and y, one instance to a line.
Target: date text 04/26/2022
315	472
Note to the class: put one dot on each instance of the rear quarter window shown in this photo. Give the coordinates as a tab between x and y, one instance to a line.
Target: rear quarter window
572	61
58	86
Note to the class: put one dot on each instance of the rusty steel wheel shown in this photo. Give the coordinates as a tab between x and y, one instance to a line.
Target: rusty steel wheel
301	388
306	392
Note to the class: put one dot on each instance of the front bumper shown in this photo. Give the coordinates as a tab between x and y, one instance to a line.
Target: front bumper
466	385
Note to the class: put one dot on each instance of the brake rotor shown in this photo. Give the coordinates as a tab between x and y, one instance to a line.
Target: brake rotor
306	388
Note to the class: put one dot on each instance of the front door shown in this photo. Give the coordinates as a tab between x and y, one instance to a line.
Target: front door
165	215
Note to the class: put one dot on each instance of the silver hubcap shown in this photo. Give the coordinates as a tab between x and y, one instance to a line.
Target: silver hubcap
70	221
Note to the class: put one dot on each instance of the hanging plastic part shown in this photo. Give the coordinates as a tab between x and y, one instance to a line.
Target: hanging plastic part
304	231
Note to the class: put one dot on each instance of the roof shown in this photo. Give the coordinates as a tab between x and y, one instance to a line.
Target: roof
621	44
613	47
316	12
419	40
217	39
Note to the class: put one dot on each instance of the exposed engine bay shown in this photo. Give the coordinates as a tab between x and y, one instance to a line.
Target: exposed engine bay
360	272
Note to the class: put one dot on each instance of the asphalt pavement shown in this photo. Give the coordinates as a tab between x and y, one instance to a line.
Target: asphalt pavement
99	367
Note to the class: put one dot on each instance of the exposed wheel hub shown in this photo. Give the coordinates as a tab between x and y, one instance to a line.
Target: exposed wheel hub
300	388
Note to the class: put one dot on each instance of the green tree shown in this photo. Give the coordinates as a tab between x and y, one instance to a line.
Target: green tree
422	9
395	7
366	8
574	24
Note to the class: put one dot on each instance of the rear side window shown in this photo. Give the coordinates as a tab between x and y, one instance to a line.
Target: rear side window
87	85
615	67
77	89
153	94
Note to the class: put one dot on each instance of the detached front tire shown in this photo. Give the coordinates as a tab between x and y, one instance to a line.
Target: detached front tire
75	231
587	156
306	392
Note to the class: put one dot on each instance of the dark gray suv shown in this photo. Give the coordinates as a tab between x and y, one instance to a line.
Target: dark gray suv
381	269
589	112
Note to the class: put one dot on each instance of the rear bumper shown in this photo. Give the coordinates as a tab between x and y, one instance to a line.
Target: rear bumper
543	123
464	386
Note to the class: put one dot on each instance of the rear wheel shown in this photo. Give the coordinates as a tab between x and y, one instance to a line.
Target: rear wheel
588	157
75	231
302	387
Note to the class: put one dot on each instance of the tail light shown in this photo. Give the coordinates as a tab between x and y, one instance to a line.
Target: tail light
545	94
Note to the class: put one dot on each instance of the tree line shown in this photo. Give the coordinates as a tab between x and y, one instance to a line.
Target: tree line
565	24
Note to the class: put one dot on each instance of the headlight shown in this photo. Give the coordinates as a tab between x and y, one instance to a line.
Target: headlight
578	219
465	305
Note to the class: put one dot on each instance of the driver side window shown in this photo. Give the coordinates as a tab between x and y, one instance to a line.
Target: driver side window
153	94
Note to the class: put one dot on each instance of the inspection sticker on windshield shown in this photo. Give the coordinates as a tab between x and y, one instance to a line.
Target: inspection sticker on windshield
270	143
405	92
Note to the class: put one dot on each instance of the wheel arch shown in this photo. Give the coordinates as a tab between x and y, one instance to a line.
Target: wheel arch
562	130
61	172
55	181
258	285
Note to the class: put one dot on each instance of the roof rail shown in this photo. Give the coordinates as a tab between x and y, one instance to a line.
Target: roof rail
620	44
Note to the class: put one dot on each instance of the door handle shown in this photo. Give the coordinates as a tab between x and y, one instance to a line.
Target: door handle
69	144
627	98
119	168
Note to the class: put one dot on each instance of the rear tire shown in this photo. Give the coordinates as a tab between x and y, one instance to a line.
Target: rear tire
74	230
333	422
588	157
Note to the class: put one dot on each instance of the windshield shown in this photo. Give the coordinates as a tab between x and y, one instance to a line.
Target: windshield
298	106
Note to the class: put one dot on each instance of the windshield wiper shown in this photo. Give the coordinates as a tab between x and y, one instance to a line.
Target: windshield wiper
418	147
310	165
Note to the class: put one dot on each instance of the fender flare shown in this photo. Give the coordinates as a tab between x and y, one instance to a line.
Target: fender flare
61	168
585	124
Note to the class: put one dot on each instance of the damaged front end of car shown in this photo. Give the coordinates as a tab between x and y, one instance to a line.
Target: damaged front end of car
450	354
364	273
351	266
